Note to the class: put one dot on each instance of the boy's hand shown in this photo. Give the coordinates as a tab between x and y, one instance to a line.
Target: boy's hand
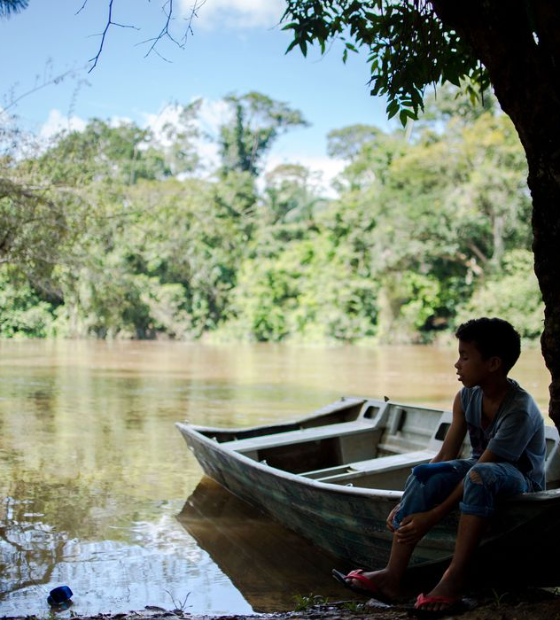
414	527
390	518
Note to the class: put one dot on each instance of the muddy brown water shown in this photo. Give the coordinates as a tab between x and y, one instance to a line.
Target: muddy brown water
99	492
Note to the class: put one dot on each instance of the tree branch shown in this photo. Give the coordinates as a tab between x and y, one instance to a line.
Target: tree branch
165	32
109	23
55	80
82	7
476	250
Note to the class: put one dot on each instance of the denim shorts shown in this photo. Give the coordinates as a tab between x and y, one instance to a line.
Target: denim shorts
429	485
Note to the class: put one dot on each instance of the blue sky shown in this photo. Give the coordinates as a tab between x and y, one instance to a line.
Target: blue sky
235	46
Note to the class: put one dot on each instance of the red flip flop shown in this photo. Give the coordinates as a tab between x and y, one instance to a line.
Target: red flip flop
367	588
452	604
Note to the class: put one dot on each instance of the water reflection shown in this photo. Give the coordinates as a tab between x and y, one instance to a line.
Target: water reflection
93	472
267	563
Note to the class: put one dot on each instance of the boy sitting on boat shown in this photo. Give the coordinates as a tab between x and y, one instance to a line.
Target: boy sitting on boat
506	432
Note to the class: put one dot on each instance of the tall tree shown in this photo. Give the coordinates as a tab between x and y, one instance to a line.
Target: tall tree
257	121
347	142
290	194
122	154
512	45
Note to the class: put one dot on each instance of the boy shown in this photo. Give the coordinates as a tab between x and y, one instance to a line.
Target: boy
506	432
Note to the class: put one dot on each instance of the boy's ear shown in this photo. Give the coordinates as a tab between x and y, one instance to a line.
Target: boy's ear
494	363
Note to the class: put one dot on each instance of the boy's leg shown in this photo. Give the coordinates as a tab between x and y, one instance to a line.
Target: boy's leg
422	492
484	484
452	583
387	580
429	485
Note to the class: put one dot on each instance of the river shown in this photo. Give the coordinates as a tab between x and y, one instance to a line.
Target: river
99	492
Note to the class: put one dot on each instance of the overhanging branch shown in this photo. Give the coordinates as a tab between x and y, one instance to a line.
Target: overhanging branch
165	33
109	23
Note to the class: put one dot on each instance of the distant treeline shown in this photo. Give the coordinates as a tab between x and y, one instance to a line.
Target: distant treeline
114	232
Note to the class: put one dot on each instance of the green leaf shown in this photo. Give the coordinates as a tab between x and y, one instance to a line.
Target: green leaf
392	108
291	46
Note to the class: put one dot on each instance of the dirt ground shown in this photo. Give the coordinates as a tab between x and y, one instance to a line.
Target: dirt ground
530	604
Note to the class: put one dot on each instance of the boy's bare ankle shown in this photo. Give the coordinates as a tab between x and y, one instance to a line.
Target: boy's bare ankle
454	574
389	581
451	584
386	580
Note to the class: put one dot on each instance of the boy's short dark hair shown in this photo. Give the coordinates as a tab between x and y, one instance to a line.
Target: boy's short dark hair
492	337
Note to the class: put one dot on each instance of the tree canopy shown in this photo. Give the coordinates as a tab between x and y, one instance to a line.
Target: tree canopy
472	43
105	236
409	47
257	121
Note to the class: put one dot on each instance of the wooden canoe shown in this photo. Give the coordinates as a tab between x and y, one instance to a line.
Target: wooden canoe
334	476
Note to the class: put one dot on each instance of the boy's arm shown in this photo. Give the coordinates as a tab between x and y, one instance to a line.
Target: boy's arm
455	435
449	450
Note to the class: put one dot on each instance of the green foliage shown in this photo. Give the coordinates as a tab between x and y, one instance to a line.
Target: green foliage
166	267
347	143
409	47
39	221
307	602
289	195
9	7
102	235
23	313
257	120
354	606
499	598
452	102
103	153
306	289
512	294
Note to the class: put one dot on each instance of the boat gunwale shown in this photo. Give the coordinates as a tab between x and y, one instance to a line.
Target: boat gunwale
549	496
193	429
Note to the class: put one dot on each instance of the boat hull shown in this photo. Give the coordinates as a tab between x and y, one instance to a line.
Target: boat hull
349	522
346	522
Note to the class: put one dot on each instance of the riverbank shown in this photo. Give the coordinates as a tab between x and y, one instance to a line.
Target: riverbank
526	604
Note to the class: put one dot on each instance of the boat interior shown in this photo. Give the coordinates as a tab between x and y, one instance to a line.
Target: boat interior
359	442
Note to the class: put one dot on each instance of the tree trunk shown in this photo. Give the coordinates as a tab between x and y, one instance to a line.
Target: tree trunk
498	227
524	70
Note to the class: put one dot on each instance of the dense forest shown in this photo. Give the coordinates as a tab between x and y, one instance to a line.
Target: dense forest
116	232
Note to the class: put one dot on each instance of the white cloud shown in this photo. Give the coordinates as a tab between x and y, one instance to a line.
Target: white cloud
214	113
57	122
324	169
211	115
169	116
118	121
238	14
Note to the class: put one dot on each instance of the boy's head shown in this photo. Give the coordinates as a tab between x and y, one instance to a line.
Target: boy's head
492	338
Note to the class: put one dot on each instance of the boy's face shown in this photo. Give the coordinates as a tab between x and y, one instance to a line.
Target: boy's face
472	369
